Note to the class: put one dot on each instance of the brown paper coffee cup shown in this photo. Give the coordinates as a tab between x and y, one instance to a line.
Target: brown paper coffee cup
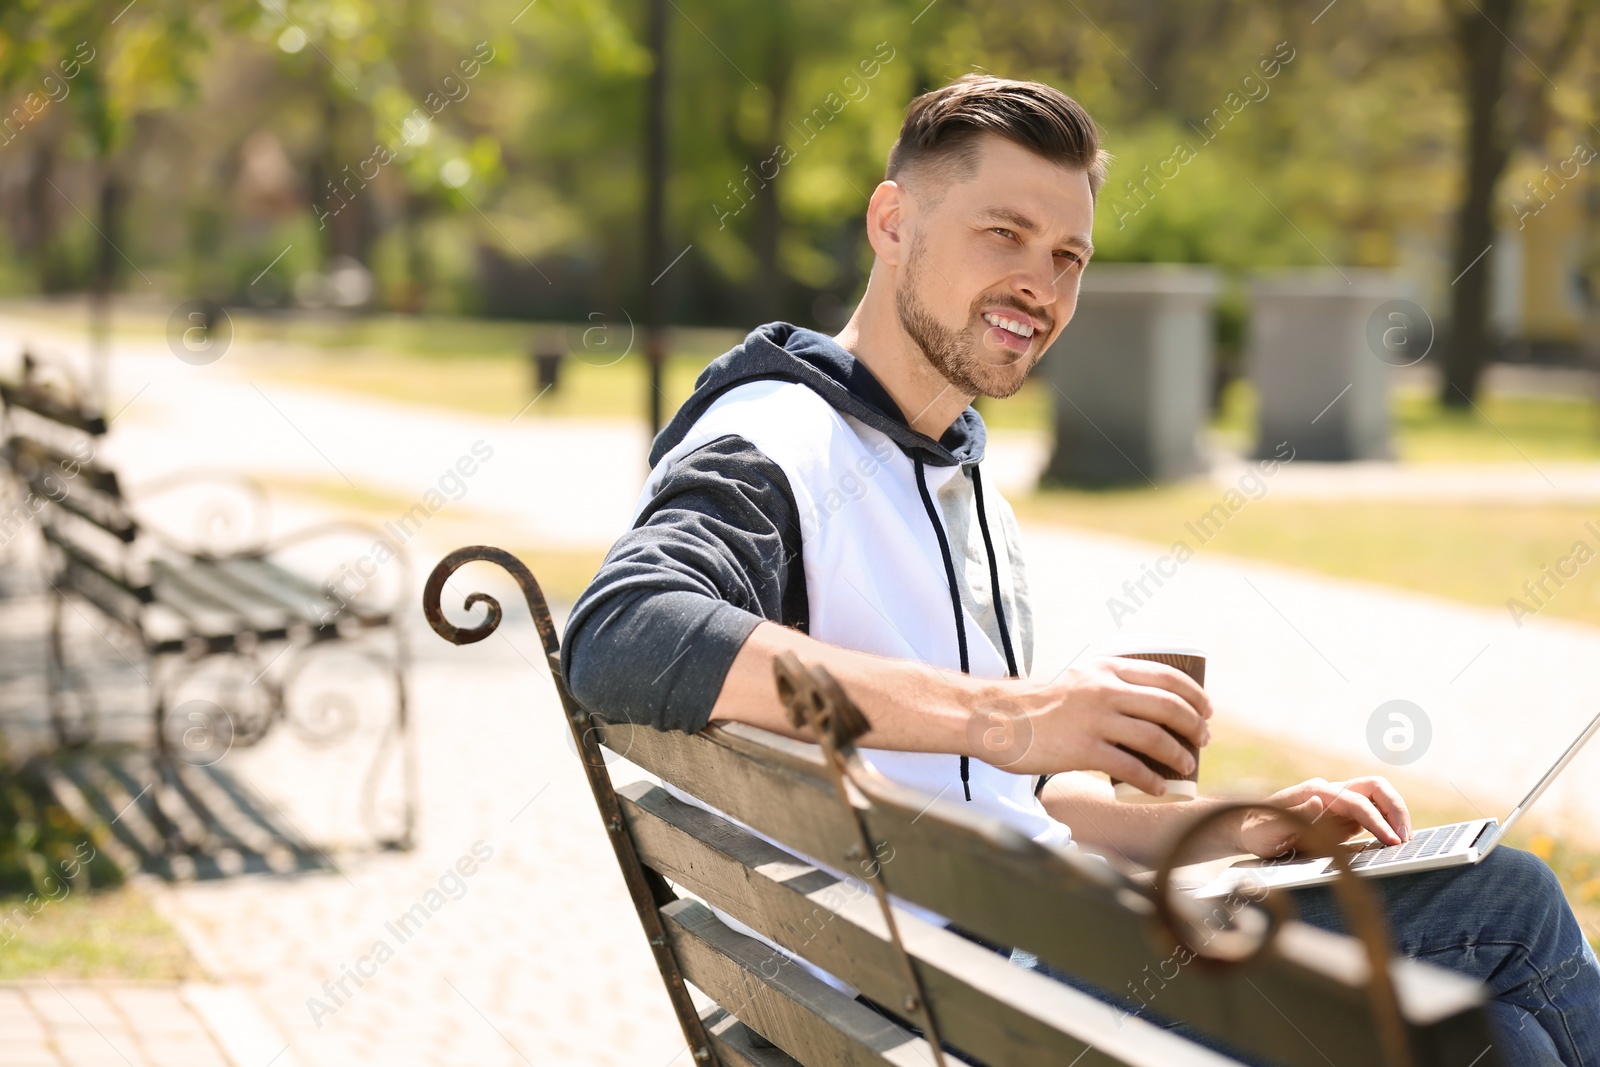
1191	660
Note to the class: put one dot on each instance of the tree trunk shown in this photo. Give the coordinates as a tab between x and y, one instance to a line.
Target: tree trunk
109	223
37	227
1483	67
770	300
419	267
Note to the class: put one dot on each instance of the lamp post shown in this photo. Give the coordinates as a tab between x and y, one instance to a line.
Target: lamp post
655	169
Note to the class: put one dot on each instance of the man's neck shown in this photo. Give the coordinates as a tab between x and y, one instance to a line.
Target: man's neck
874	336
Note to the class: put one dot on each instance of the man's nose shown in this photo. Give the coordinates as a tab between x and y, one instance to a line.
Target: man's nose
1038	285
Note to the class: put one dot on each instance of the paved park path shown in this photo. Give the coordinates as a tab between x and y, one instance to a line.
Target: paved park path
136	1024
536	959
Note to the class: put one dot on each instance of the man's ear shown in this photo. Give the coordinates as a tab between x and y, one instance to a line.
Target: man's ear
888	212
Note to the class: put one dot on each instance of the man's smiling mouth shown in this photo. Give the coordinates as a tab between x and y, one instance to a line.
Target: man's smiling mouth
1021	329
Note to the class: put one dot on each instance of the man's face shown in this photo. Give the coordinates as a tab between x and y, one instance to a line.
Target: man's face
991	274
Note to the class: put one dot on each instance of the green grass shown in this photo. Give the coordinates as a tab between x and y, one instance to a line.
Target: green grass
1502	429
64	909
1476	553
102	935
1499	429
499	386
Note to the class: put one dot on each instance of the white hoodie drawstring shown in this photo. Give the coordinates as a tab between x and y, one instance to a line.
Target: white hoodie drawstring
955	593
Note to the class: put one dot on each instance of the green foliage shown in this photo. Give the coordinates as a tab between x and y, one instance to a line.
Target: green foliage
43	850
487	156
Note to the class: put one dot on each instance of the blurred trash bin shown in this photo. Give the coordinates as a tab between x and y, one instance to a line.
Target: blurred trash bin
1132	374
546	355
1321	344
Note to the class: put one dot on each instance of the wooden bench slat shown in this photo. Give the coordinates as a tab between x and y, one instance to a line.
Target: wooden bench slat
93	587
254	611
44	455
1065	907
204	615
88	560
108	516
306	602
810	1020
226	580
735	1044
45	404
986	1006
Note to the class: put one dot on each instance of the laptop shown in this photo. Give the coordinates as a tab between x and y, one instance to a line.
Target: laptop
1455	845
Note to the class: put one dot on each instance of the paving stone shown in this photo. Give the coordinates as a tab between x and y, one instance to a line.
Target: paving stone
22	1052
137	1024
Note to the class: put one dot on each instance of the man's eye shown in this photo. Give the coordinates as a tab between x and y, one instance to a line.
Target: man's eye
1002	231
1071	257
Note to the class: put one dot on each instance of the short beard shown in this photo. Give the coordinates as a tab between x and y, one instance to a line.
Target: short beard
950	352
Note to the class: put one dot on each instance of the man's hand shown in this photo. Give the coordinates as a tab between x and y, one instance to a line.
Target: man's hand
1344	809
1077	722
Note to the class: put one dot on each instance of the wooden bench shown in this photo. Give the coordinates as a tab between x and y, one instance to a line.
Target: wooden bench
182	604
1274	988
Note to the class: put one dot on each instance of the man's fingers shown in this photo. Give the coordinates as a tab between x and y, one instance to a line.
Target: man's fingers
1388	801
1152	740
1164	708
1126	768
1354	806
1160	676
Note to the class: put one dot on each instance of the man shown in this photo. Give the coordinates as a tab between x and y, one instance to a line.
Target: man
825	496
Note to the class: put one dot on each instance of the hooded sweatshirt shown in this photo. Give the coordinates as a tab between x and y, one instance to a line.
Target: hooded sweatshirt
790	488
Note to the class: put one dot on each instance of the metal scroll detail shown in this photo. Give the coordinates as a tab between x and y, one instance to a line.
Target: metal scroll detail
814	700
647	894
466	635
1360	906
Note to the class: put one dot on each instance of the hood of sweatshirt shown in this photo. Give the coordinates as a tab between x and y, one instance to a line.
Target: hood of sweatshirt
780	351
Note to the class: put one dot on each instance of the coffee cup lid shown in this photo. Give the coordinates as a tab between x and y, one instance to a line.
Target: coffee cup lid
1126	644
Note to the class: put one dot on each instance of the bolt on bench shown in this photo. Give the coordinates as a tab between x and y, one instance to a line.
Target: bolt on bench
185	605
1274	988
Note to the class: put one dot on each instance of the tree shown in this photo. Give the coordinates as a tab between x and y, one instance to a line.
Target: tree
1503	106
115	63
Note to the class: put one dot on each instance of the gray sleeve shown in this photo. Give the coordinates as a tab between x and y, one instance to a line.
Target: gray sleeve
716	551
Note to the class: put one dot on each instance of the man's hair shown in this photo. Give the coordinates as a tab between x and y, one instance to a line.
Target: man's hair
942	128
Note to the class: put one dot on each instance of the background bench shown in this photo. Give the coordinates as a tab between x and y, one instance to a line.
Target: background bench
184	605
1301	996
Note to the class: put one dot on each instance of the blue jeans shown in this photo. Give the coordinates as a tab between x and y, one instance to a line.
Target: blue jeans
1503	922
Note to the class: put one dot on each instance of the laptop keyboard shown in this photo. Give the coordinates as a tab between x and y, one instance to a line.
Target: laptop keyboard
1426	843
